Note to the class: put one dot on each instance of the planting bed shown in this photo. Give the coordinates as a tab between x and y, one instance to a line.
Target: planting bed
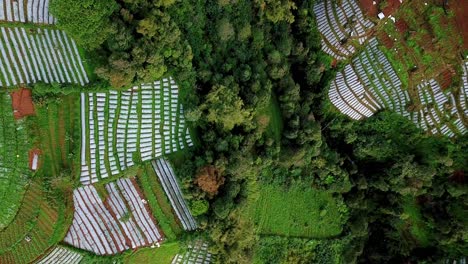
32	11
169	182
32	55
121	128
197	252
61	255
120	221
30	233
342	27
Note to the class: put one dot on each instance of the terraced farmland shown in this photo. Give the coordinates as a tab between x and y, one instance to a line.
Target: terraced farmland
169	182
61	255
113	224
197	252
342	27
31	11
29	235
14	170
33	55
119	128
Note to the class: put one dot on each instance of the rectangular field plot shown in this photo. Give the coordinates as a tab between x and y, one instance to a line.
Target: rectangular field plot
14	170
299	211
32	11
197	252
119	128
61	255
28	56
168	180
120	221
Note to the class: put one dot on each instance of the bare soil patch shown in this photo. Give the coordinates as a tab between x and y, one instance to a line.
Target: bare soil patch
369	8
460	8
22	103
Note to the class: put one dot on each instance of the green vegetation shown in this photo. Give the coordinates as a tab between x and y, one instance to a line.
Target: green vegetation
299	211
163	254
14	169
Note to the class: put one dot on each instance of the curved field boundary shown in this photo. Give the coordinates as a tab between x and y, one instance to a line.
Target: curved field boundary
142	123
30	11
169	182
339	25
61	255
120	222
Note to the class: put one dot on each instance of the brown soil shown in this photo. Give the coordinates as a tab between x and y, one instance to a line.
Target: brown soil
369	8
401	25
445	78
22	103
460	8
31	156
385	40
390	7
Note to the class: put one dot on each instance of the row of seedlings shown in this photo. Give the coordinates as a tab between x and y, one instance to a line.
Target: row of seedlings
350	97
28	236
33	11
339	24
378	76
197	253
30	56
172	189
120	222
61	255
439	114
144	122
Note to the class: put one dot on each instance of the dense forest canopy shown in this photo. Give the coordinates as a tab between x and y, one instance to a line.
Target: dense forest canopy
254	85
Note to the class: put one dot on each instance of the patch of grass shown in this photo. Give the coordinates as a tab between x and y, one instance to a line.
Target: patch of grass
272	115
299	211
163	254
412	220
159	204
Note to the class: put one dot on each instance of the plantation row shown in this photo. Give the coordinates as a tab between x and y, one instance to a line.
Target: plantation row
197	253
169	182
367	85
33	55
340	25
121	128
439	115
61	255
32	11
29	235
14	171
113	222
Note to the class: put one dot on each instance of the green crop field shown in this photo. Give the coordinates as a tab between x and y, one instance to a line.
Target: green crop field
298	211
14	171
163	254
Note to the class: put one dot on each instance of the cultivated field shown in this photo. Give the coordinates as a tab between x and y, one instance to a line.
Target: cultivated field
169	182
395	74
61	255
342	26
299	211
114	223
33	55
121	128
31	11
197	252
31	232
14	171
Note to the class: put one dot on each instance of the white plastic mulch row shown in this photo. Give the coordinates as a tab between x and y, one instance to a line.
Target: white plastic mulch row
333	22
32	11
121	222
197	253
144	122
435	117
172	189
41	55
61	255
